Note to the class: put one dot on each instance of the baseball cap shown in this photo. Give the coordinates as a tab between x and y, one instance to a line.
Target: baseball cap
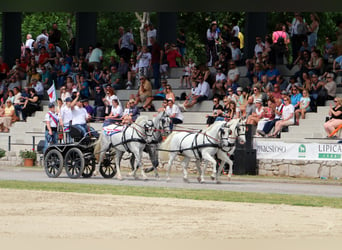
68	99
258	100
239	89
51	105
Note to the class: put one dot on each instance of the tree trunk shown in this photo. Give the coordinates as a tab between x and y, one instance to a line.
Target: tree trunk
145	19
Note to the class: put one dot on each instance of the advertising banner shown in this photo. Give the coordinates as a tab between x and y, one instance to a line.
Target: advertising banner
297	151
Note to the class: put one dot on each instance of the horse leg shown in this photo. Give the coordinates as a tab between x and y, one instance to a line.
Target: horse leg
211	159
200	177
223	156
171	159
118	156
185	164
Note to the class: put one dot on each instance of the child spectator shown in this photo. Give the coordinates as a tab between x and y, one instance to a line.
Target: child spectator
304	106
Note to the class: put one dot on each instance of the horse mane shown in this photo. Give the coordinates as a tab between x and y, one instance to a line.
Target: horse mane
141	118
213	126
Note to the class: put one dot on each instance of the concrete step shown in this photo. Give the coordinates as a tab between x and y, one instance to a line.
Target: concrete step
189	117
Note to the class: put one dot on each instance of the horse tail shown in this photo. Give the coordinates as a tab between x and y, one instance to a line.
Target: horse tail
165	146
97	148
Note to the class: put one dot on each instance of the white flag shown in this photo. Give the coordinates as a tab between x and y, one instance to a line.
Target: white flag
52	93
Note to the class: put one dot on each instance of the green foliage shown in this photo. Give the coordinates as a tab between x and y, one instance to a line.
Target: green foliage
2	153
28	154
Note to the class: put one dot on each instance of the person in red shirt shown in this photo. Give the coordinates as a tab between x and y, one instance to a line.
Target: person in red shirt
4	69
171	54
43	56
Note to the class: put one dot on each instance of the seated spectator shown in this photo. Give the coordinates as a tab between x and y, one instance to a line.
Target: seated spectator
304	106
267	115
173	111
7	117
272	72
134	110
258	94
83	86
281	81
278	110
287	118
64	94
163	107
276	91
191	98
115	114
144	94
316	63
89	108
231	96
10	96
254	118
160	94
233	76
38	86
329	84
204	89
243	95
236	53
337	65
218	89
335	116
295	97
217	106
31	104
267	86
115	78
123	68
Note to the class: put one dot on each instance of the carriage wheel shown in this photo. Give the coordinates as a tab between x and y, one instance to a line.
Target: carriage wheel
74	163
89	168
107	170
53	163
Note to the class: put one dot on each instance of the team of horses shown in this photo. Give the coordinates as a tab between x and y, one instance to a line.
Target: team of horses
216	142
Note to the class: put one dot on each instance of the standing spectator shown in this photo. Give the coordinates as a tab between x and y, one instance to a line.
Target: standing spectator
96	56
4	69
287	118
151	33
313	29
156	60
181	44
335	116
99	106
174	113
132	72
164	63
126	44
55	35
212	39
51	128
296	33
172	54
144	62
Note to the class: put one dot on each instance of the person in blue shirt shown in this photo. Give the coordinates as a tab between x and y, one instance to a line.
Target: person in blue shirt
84	88
272	73
295	97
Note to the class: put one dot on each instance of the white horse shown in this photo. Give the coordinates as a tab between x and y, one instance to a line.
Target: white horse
131	138
161	123
237	131
199	145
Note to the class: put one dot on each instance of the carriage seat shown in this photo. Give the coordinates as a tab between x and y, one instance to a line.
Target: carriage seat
76	134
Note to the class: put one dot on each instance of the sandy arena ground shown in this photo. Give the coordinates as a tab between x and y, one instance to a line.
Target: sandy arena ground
52	215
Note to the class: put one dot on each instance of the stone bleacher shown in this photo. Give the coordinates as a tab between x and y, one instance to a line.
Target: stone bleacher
21	133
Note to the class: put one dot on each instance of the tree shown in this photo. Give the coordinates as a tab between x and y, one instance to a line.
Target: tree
144	20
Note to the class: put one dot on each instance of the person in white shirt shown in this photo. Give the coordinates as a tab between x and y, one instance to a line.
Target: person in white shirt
287	117
151	33
204	89
29	42
79	115
174	113
144	61
51	132
115	114
66	118
38	86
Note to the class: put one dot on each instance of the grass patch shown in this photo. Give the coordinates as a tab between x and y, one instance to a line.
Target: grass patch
194	194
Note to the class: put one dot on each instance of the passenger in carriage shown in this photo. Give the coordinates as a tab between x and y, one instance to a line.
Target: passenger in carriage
79	115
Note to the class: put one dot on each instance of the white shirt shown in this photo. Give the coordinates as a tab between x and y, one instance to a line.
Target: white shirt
196	91
79	115
287	111
116	111
39	88
236	30
204	88
232	73
96	55
220	76
144	60
66	115
53	123
259	48
28	43
45	37
174	110
151	33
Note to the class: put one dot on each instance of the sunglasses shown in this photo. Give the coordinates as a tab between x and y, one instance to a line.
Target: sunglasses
141	79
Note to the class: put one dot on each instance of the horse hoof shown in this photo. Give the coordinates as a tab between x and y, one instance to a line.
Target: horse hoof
186	180
202	181
229	177
199	179
157	176
120	178
168	180
95	173
218	182
212	177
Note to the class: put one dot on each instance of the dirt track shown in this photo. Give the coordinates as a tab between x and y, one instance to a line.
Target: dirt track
53	215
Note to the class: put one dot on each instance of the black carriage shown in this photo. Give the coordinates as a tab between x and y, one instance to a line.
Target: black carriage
77	157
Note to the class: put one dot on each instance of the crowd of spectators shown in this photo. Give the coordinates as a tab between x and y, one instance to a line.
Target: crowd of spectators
268	100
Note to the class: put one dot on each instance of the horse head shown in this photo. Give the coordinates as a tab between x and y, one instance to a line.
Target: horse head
241	130
162	123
